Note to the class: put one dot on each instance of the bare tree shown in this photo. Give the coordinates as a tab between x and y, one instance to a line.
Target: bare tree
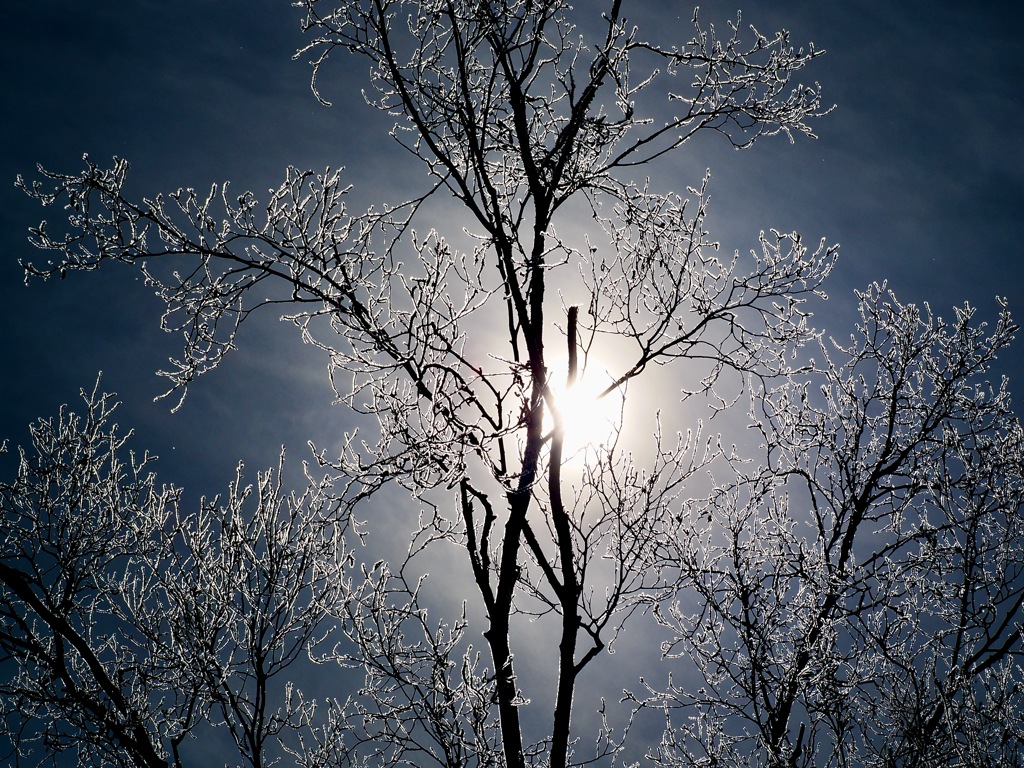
133	622
531	117
860	592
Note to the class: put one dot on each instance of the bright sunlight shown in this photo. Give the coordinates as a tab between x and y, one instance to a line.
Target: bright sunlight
589	419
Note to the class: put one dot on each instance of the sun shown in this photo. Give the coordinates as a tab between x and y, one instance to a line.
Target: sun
591	415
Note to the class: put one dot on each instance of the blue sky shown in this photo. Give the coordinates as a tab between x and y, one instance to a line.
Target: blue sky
918	174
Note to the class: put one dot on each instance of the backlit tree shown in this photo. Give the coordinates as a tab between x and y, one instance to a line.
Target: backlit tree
842	589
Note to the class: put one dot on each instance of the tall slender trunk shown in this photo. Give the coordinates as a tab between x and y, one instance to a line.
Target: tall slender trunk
569	590
497	634
508	710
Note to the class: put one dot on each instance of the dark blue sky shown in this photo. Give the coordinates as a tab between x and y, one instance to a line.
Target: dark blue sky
919	174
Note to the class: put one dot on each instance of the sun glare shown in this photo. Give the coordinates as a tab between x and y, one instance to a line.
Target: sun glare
590	421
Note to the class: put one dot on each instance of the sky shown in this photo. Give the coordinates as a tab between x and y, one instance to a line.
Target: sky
918	173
